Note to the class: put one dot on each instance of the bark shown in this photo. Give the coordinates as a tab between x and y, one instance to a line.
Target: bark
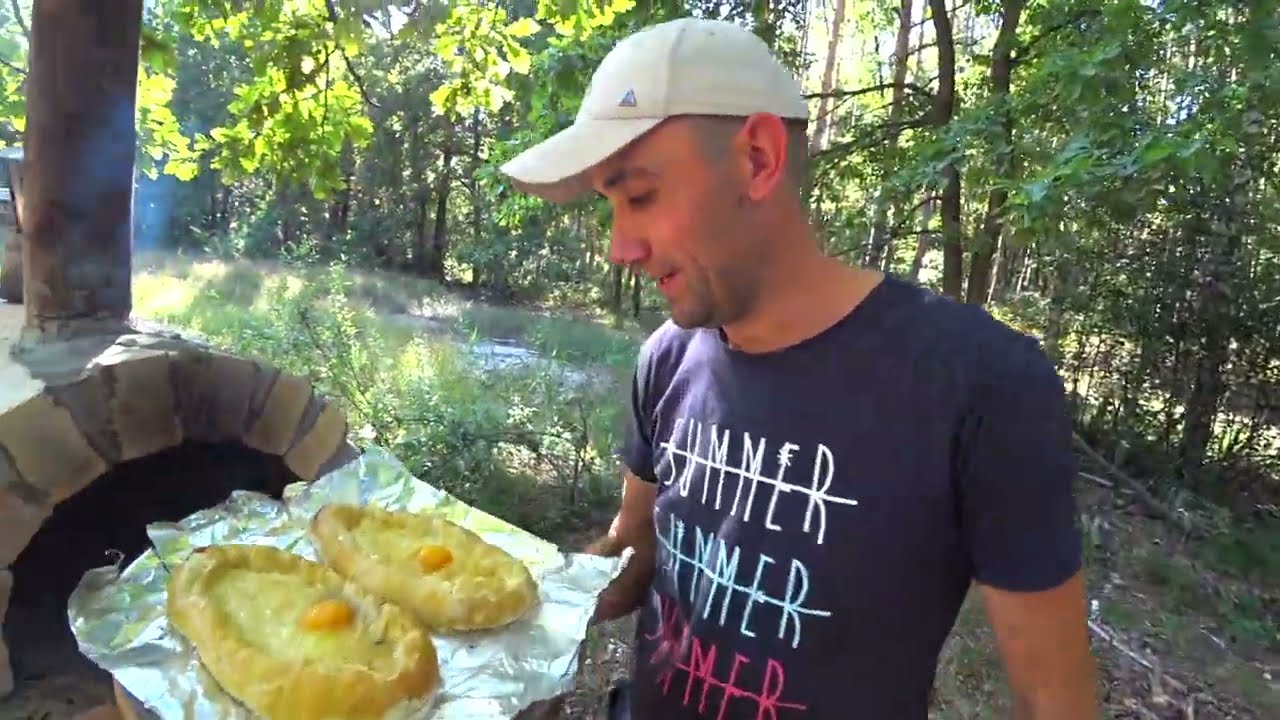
944	103
1216	316
980	260
923	242
822	122
79	164
433	256
637	288
879	244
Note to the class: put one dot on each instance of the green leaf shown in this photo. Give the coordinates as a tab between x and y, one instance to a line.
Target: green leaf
524	27
440	98
520	61
156	52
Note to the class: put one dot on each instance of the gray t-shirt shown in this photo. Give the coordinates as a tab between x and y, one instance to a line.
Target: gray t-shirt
822	509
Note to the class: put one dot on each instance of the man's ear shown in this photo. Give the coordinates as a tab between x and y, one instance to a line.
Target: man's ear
762	144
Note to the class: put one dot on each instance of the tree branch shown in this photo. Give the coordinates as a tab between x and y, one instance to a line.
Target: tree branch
17	16
1147	500
1023	53
844	94
866	138
355	76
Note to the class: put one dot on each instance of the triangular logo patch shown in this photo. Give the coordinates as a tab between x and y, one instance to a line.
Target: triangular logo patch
628	100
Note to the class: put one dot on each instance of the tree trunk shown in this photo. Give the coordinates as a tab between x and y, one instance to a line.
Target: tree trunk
80	145
433	256
340	206
1012	258
1217	315
1217	312
877	248
980	260
944	104
636	293
1216	321
615	293
822	122
924	241
421	213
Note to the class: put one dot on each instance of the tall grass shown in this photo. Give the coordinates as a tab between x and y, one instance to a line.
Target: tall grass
531	444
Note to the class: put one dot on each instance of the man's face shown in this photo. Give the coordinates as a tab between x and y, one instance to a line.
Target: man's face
680	216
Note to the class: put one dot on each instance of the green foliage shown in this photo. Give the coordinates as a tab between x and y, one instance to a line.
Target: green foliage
531	445
160	135
1136	146
1131	146
298	107
479	46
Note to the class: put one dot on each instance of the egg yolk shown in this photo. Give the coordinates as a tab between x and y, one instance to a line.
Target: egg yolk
434	557
328	615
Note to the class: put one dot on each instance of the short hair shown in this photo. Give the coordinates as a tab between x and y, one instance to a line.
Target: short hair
714	132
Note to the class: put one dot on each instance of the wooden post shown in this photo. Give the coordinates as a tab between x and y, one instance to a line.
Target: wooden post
80	142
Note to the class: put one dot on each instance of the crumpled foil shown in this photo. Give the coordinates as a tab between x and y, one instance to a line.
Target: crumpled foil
118	617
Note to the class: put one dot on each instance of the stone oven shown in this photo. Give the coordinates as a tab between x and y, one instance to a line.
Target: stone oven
108	423
102	434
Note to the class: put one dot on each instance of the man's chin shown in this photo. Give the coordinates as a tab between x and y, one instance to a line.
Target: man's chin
691	318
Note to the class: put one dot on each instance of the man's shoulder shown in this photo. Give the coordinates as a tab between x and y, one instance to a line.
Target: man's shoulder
991	349
666	345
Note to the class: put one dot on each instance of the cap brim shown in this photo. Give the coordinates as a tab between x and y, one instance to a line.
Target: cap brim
556	169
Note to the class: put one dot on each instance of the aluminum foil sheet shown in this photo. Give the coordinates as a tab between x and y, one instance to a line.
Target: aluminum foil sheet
118	616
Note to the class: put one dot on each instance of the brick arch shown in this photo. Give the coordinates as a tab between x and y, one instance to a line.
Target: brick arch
89	406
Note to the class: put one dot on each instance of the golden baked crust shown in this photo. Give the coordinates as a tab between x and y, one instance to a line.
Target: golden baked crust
443	573
293	640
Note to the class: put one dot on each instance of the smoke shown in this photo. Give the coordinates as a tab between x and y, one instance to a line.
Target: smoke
152	211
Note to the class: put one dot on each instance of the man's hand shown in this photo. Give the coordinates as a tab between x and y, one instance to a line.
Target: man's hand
631	528
1043	639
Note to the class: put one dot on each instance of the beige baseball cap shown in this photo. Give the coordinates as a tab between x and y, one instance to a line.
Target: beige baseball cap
690	66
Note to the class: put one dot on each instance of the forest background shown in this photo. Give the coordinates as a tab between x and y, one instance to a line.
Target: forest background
317	187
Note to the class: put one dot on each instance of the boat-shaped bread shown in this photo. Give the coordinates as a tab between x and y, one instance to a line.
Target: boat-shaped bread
449	577
291	639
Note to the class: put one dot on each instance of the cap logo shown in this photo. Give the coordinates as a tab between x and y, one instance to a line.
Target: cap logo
628	99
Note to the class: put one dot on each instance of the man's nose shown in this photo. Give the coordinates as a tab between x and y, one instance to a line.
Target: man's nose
625	249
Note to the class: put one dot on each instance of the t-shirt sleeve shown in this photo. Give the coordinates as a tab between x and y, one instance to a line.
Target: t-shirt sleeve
637	442
1018	506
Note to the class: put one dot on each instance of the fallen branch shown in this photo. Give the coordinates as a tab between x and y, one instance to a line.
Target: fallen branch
1183	697
1151	664
1097	480
1144	496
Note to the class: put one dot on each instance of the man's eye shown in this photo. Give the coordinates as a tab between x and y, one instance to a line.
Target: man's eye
641	200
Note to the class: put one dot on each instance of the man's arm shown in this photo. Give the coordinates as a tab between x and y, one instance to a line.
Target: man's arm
1017	478
1043	639
632	527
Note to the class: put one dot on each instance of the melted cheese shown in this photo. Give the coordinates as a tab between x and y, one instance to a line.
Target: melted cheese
449	577
267	610
396	545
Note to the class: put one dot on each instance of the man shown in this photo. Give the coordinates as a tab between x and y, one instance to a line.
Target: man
819	458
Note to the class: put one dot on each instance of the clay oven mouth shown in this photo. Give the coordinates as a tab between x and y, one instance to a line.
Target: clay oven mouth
104	435
107	425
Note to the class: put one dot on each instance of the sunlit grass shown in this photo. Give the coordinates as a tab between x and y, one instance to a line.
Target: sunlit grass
532	445
165	284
